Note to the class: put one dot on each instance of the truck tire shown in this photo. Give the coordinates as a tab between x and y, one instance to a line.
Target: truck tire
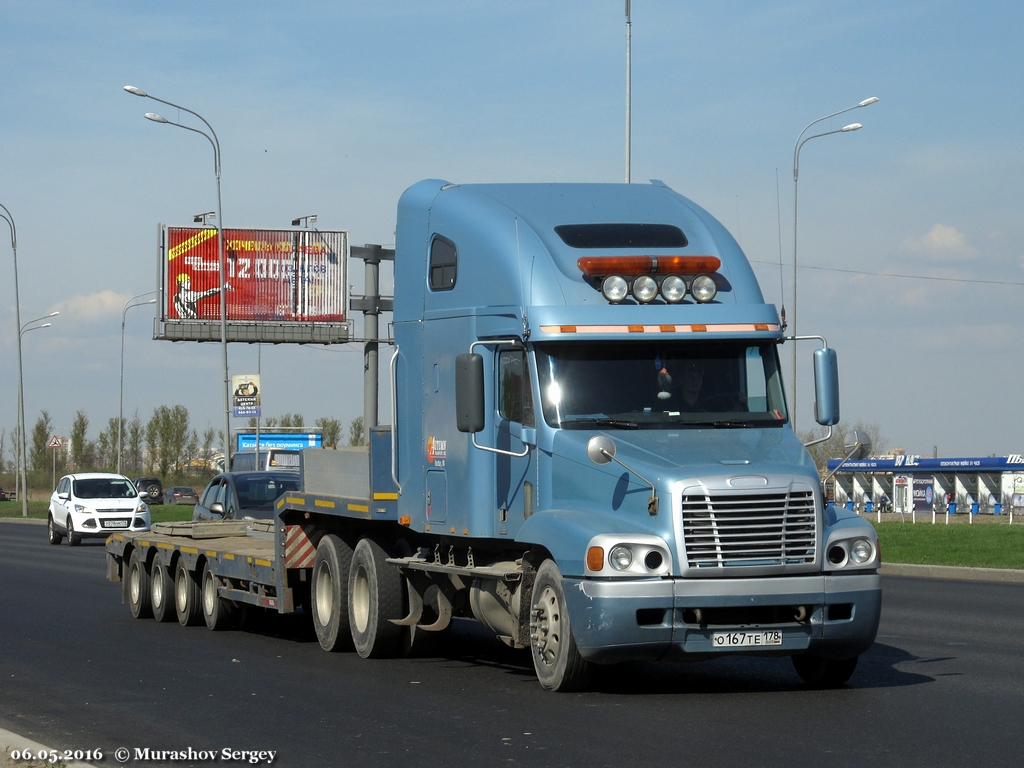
556	659
73	538
374	599
51	533
138	586
329	593
161	591
186	596
819	672
218	612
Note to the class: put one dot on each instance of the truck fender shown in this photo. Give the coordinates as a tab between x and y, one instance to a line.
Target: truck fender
565	533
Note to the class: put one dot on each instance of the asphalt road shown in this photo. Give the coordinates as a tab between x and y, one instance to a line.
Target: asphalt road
943	686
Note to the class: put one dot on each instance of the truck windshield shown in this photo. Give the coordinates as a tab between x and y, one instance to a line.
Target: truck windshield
660	385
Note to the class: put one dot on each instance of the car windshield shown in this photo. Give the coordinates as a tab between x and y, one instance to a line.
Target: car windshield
660	385
262	492
104	488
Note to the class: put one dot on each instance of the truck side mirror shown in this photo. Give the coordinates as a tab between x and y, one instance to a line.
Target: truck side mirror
469	392
826	387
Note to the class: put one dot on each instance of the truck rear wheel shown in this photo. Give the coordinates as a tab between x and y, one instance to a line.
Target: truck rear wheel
138	586
374	599
186	596
329	593
161	591
218	612
819	672
556	659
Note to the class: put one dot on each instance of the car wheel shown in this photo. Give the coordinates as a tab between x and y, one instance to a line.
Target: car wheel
186	596
819	672
51	532
556	659
73	538
138	586
161	590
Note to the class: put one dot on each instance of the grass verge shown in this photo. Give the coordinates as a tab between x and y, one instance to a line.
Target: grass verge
977	546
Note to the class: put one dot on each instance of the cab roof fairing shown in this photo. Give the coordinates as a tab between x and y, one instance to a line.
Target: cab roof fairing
510	254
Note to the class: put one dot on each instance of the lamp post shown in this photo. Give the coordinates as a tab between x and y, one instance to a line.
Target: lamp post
800	141
120	399
23	461
629	82
215	143
20	449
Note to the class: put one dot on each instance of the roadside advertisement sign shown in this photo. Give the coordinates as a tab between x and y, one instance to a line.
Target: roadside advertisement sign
292	441
245	395
271	275
924	493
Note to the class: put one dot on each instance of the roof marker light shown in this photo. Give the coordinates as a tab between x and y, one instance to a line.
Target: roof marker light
645	289
615	288
673	289
598	266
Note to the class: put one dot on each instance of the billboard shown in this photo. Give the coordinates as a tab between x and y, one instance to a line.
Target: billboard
294	441
245	395
273	277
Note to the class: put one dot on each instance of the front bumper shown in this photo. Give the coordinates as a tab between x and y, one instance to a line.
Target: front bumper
654	619
90	525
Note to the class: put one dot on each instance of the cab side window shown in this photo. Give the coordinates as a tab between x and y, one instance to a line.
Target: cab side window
444	262
515	399
209	496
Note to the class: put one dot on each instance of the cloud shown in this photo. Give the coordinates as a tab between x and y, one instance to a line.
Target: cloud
942	241
93	306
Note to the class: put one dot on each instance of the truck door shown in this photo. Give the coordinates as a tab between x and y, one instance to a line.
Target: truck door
515	476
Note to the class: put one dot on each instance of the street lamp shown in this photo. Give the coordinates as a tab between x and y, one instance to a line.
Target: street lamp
120	400
23	492
215	143
800	141
29	326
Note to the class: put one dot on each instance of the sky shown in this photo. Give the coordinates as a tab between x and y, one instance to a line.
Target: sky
911	239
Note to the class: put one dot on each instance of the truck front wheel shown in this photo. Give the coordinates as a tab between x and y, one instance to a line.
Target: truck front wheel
138	586
556	659
329	593
374	599
819	672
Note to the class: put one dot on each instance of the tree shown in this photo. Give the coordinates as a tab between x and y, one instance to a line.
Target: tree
3	450
330	429
39	455
153	439
294	420
356	434
209	435
79	442
133	453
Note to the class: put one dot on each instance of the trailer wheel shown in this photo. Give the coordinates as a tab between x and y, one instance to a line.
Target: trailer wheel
556	659
218	612
374	599
329	593
819	672
186	596
161	591
51	533
73	538
138	586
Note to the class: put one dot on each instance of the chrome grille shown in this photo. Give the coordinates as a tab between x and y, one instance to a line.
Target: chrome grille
749	529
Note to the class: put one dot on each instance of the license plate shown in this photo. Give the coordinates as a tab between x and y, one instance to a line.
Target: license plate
746	639
115	523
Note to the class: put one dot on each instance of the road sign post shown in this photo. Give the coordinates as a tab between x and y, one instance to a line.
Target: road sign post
54	445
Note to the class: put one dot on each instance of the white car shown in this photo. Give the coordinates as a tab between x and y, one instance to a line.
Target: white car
94	505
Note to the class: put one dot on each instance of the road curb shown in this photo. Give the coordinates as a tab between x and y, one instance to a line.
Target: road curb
1000	575
10	741
23	520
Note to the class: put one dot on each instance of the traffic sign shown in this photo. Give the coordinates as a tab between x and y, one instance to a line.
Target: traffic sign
54	442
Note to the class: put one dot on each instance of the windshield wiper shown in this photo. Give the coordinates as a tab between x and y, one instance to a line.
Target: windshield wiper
602	422
722	423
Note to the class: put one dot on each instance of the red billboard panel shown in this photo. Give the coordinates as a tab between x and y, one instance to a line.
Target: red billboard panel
271	275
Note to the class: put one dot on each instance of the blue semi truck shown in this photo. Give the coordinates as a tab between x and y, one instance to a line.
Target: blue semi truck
589	452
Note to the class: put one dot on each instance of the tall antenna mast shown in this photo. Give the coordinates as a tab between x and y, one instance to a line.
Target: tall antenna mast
629	35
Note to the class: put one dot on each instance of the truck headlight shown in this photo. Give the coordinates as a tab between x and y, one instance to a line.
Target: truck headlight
703	288
620	558
645	289
614	288
673	289
861	551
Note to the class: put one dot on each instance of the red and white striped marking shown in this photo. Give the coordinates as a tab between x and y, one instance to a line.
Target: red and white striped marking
299	546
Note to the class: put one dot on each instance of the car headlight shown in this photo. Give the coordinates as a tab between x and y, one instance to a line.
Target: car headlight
142	508
80	509
861	551
620	558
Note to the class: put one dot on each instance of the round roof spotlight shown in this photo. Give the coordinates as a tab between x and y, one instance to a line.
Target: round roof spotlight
703	288
645	288
673	289
614	288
